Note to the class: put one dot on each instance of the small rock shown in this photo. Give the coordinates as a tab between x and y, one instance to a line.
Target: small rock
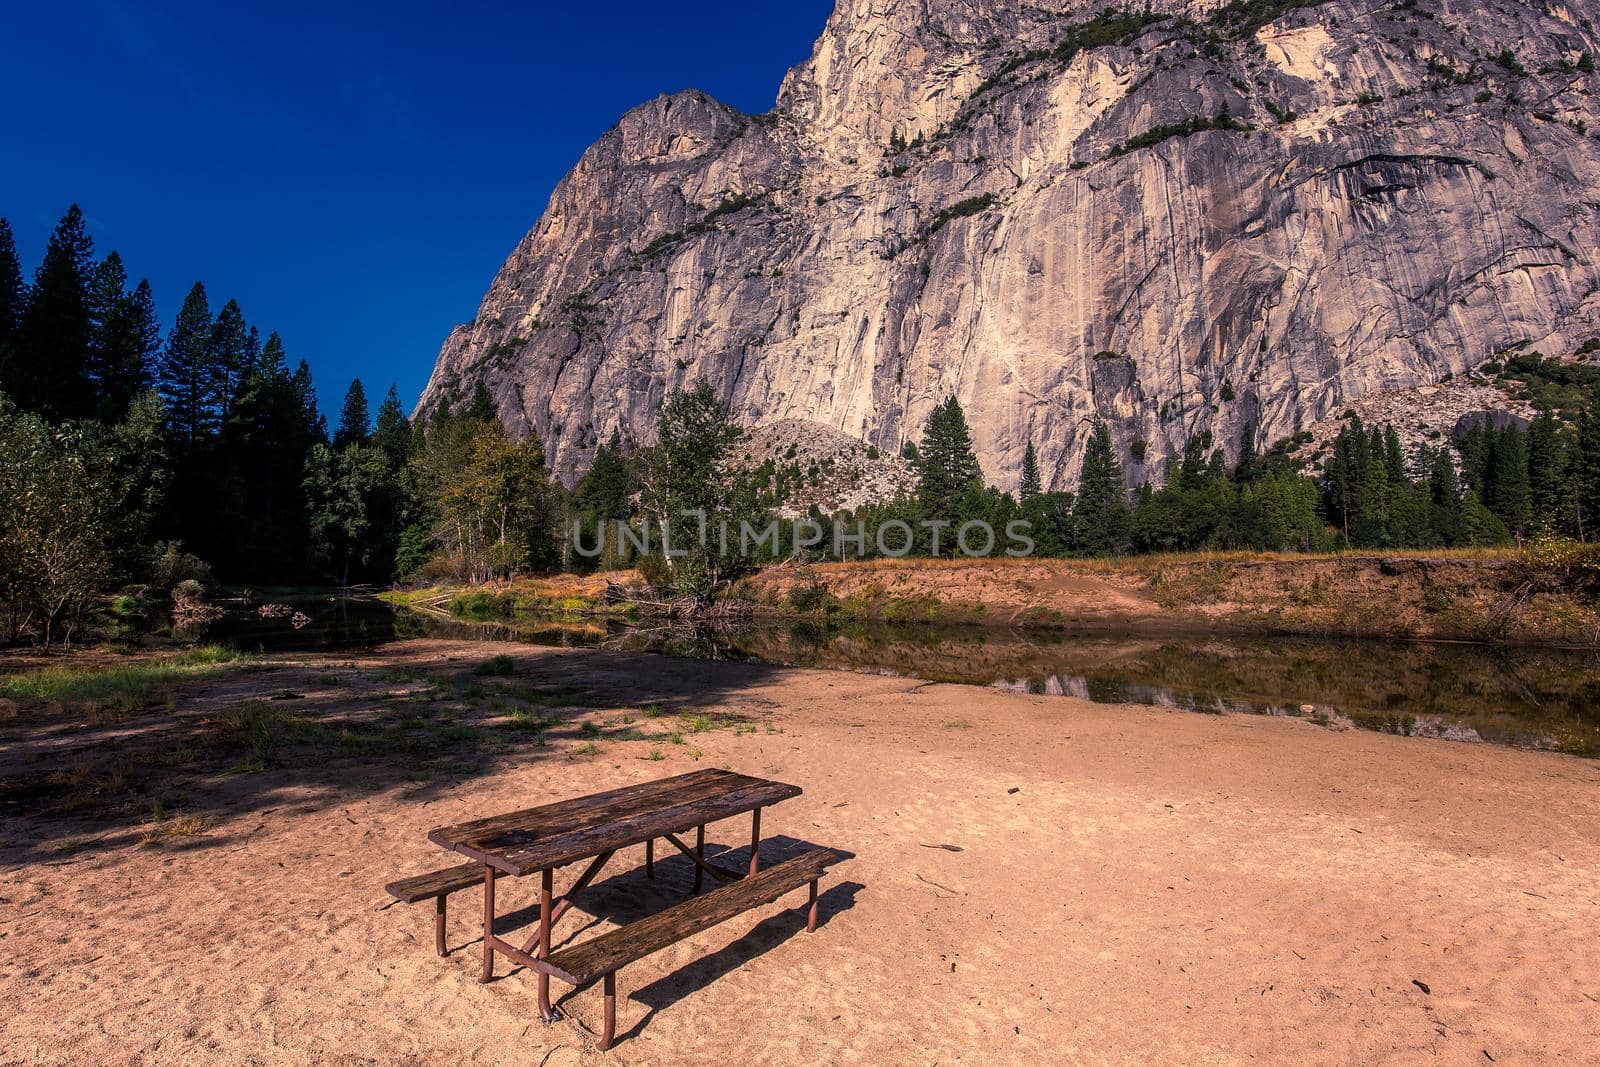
1014	789
1420	984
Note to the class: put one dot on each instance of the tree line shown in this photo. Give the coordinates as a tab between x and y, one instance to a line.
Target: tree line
136	459
139	459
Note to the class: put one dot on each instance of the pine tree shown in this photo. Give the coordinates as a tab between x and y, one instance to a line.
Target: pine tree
1100	512
602	494
50	368
126	338
1249	465
305	392
481	408
946	462
1030	485
229	357
1506	491
1393	459
392	432
355	425
12	298
185	375
1586	470
1549	483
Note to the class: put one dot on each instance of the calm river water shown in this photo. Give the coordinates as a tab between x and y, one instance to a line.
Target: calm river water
1545	698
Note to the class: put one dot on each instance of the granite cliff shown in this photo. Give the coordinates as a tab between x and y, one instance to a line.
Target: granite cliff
1178	218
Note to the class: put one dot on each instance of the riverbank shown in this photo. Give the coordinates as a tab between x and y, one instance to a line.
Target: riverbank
1503	596
1043	878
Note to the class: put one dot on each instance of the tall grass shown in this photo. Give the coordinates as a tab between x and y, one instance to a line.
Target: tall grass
118	688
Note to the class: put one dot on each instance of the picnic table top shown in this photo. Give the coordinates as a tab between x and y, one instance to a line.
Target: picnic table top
553	835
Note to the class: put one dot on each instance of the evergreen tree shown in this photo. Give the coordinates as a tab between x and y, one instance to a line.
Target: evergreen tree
1393	459
50	367
127	336
482	408
344	498
229	357
1249	465
688	470
603	492
1506	490
1586	470
1549	481
946	462
355	426
185	374
1030	485
1444	497
1100	513
273	427
13	295
392	433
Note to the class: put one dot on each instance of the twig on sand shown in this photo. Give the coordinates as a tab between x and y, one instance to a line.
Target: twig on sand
936	885
947	848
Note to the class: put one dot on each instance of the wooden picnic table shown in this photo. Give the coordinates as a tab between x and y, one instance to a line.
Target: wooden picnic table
595	828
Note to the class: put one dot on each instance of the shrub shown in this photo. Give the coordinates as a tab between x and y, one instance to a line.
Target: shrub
496	667
808	597
481	605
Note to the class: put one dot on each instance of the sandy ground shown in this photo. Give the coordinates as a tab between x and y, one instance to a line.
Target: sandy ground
1034	879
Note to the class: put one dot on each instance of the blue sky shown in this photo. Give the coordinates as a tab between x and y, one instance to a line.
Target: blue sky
352	175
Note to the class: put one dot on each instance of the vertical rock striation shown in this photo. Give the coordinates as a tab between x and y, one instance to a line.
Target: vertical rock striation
1179	219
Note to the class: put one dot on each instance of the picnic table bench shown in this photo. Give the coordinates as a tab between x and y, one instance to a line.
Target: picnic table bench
539	840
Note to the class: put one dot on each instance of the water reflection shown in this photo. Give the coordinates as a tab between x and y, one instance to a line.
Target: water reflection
1528	697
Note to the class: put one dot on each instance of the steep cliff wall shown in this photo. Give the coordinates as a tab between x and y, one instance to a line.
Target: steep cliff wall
1195	218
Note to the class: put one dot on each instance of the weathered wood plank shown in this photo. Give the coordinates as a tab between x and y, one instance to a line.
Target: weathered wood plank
436	883
522	842
589	960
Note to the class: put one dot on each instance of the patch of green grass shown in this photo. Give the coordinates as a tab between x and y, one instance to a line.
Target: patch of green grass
116	690
257	729
675	736
699	723
652	711
655	756
497	667
480	605
957	724
588	748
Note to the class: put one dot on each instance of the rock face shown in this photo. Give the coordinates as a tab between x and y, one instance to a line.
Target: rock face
1193	219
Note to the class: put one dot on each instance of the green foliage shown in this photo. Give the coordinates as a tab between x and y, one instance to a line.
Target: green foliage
344	492
961	209
946	465
49	365
489	499
603	498
1100	513
1508	61
1112	26
1242	18
74	504
1029	485
187	382
1197	124
355	425
687	479
496	667
115	689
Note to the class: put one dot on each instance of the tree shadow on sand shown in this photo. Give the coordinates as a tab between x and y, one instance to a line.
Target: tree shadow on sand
415	722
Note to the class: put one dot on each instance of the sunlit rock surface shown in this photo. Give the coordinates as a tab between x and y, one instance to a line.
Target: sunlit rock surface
1401	206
